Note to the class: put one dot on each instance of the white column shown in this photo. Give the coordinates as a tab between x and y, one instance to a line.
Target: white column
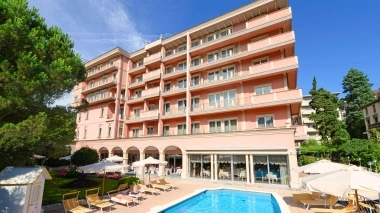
141	169
247	173
251	169
212	167
294	178
125	157
216	167
185	172
161	168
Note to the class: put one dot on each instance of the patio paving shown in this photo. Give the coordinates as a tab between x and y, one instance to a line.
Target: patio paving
188	186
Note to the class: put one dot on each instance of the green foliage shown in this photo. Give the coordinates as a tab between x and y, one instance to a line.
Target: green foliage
72	174
37	67
340	137
375	136
358	92
129	181
305	159
53	162
326	113
85	156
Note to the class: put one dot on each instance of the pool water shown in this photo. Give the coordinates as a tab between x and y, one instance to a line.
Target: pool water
227	200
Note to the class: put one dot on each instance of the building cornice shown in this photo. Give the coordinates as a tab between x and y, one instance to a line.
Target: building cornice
107	54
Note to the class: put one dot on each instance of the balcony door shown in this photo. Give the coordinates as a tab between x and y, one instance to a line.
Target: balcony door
166	108
229	98
136	113
214	101
195	104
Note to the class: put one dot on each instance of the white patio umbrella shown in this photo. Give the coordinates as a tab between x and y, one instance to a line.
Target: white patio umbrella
148	161
65	158
340	183
115	158
102	167
39	157
321	166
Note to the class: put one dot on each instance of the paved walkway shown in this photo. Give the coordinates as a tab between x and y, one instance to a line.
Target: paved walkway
188	186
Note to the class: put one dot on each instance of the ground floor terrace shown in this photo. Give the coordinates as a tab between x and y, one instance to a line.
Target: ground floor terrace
250	157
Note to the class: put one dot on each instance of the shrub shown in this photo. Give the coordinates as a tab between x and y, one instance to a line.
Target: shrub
56	162
128	180
85	156
304	159
71	174
61	173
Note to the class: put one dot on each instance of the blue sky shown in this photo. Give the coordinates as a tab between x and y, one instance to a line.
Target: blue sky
331	36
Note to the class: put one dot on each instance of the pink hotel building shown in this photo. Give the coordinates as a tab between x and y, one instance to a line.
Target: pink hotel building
218	101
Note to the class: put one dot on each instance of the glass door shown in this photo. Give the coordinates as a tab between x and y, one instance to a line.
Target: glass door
229	98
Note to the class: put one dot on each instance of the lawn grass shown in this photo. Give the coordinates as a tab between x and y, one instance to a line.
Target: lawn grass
53	193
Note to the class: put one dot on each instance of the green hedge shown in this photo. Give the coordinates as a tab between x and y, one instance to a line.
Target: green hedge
56	162
72	174
128	180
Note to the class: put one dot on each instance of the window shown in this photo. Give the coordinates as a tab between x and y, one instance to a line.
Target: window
77	134
182	66
169	52
368	121
76	99
102	94
182	83
214	100
225	32
194	104
121	130
226	53
168	70
214	126
166	108
195	43
228	72
111	62
182	48
260	61
135	133
92	84
195	62
309	125
79	116
181	105
87	114
139	78
139	63
121	113
258	38
104	79
151	107
138	94
100	132
85	133
213	76
150	130
375	118
265	122
260	90
210	38
366	111
230	125
109	131
167	87
212	57
165	130
181	129
374	108
136	113
195	128
101	111
195	80
229	98
114	77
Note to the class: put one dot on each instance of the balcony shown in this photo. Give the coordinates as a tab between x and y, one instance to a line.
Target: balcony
300	133
174	113
101	70
255	48
138	67
149	93
175	56
108	96
256	101
173	91
99	85
152	58
143	116
151	75
111	117
174	73
250	26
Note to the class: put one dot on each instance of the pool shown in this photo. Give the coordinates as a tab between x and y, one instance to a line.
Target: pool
223	200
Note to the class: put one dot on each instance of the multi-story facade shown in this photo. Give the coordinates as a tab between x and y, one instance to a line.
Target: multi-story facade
306	111
216	100
371	114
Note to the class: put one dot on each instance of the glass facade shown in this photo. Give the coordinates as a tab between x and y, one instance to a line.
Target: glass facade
174	166
272	169
200	166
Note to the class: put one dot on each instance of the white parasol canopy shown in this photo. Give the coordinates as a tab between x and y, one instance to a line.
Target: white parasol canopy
321	166
38	157
103	166
115	158
340	183
149	160
65	158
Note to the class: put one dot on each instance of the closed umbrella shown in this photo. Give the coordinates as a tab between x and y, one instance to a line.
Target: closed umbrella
114	158
320	167
340	183
148	161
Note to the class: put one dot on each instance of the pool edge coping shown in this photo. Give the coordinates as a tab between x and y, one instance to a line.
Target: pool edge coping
281	202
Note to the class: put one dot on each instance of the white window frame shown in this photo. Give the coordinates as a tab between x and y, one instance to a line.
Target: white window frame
182	46
85	133
213	53
183	63
199	104
222	97
138	78
170	86
163	132
147	130
195	41
229	119
114	76
109	131
101	111
150	105
137	90
214	120
194	76
226	68
191	128
76	99
227	48
213	71
164	109
259	38
195	58
183	125
104	79
261	86
139	63
92	84
184	100
168	67
184	80
100	131
169	51
134	131
260	59
262	116
121	130
134	114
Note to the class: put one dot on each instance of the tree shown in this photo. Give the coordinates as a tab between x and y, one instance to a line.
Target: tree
85	156
358	92
326	113
37	67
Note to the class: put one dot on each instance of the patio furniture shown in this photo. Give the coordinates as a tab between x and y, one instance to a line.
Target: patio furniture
242	175
72	204
330	202
163	181
121	198
94	200
145	189
305	196
158	186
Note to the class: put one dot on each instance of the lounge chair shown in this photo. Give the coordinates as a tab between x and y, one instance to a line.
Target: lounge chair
72	204
305	196
330	202
348	209
145	189
121	198
158	186
94	200
163	182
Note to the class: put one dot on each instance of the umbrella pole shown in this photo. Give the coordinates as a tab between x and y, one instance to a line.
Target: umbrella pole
104	177
357	201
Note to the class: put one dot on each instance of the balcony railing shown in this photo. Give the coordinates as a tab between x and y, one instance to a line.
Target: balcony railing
173	90
137	67
151	74
288	96
174	73
152	58
268	18
271	66
99	85
152	114
272	41
101	97
174	111
97	71
145	94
